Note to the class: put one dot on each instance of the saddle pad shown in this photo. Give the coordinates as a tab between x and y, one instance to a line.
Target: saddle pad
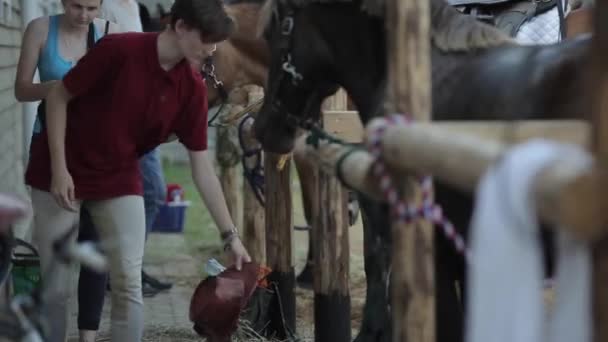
541	29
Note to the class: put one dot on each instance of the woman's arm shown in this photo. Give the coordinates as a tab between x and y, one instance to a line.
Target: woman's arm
25	89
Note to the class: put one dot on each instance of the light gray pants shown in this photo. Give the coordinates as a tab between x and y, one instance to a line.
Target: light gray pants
121	227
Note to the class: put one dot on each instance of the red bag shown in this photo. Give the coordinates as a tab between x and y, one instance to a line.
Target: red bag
217	302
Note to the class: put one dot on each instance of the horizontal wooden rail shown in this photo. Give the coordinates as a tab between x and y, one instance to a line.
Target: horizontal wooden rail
347	126
567	193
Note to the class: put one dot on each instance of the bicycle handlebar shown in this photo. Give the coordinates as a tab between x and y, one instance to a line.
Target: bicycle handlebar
85	253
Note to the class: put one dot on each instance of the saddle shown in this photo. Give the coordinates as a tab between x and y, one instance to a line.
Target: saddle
506	15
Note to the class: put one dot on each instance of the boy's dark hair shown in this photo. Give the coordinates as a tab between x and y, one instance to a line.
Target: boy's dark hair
208	16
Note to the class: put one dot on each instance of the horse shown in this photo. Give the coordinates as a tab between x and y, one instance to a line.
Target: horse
478	72
243	58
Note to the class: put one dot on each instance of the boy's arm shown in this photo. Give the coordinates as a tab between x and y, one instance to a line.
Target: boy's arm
96	66
62	186
210	190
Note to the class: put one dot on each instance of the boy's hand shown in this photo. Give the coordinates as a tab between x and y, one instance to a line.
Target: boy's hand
62	189
239	253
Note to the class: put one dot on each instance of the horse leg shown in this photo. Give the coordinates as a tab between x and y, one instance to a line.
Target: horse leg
448	306
307	173
376	325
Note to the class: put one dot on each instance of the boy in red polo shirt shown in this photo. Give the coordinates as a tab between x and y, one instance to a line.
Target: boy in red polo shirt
122	99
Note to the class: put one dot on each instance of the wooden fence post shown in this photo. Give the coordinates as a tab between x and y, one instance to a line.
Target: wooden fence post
413	288
254	233
279	242
228	155
331	252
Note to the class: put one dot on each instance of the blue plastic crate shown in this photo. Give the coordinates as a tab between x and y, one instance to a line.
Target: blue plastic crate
171	217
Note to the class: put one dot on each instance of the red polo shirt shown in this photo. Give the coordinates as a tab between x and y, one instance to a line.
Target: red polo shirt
124	105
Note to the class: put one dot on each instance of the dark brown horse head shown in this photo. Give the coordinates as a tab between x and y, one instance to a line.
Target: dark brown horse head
305	43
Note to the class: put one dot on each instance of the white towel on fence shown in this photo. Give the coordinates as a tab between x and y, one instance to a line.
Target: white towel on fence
505	281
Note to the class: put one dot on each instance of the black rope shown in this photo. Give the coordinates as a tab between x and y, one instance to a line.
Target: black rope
317	134
339	175
211	123
255	175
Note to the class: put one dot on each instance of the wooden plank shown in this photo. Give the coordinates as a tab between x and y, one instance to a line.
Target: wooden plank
10	17
10	117
9	57
7	77
7	99
331	253
347	126
10	37
8	158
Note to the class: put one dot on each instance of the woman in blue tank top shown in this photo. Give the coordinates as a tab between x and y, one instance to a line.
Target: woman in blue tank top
53	45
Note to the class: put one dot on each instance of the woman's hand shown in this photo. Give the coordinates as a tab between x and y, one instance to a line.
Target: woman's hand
239	253
62	189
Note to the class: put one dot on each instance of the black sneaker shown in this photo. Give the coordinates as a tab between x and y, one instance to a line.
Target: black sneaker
148	291
155	283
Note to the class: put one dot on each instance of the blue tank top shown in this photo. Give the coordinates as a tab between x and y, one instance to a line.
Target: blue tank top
51	66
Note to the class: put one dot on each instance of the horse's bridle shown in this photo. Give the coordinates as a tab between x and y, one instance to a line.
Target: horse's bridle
288	70
208	72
